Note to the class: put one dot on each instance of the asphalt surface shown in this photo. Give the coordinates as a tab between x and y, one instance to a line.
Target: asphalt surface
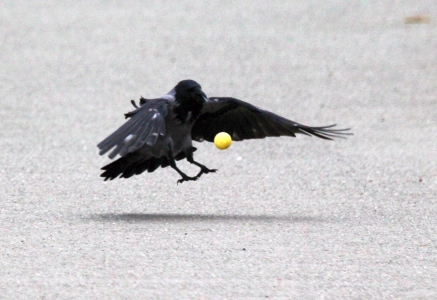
283	218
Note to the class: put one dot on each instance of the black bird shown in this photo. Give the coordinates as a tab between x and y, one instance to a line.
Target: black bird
160	131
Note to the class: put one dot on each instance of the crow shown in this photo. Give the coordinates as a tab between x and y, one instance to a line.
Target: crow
160	131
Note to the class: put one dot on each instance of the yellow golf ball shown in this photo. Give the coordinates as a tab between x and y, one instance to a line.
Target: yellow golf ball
222	140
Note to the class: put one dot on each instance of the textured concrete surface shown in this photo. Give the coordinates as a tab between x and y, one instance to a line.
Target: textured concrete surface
283	218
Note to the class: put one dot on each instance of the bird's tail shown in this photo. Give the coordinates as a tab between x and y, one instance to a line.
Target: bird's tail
126	166
135	164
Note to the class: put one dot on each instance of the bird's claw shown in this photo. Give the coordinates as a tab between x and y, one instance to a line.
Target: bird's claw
205	171
202	171
187	178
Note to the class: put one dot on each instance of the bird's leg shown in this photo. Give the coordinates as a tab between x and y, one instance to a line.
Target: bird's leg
203	169
172	163
185	177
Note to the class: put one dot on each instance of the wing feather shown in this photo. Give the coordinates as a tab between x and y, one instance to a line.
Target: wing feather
243	120
143	126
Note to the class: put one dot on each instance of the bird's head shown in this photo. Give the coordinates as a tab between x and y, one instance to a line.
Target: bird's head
190	98
189	91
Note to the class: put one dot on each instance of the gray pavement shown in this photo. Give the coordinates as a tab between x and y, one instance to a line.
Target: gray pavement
283	218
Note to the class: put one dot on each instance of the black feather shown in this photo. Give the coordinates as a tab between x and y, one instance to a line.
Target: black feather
243	121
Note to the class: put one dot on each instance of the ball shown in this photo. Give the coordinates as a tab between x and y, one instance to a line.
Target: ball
222	140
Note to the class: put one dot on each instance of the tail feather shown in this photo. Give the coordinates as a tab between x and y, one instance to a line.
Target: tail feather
134	164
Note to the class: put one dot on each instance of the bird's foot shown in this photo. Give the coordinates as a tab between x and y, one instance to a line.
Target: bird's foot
187	178
205	170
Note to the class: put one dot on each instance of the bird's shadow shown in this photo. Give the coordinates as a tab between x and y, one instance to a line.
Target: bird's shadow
175	218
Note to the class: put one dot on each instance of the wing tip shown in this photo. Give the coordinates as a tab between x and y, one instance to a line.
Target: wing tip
326	132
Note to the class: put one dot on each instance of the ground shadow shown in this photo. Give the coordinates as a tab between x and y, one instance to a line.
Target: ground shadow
159	217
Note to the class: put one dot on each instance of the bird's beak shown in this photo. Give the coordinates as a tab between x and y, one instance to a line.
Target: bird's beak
201	94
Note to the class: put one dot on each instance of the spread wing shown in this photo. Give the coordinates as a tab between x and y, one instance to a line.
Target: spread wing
144	126
242	120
